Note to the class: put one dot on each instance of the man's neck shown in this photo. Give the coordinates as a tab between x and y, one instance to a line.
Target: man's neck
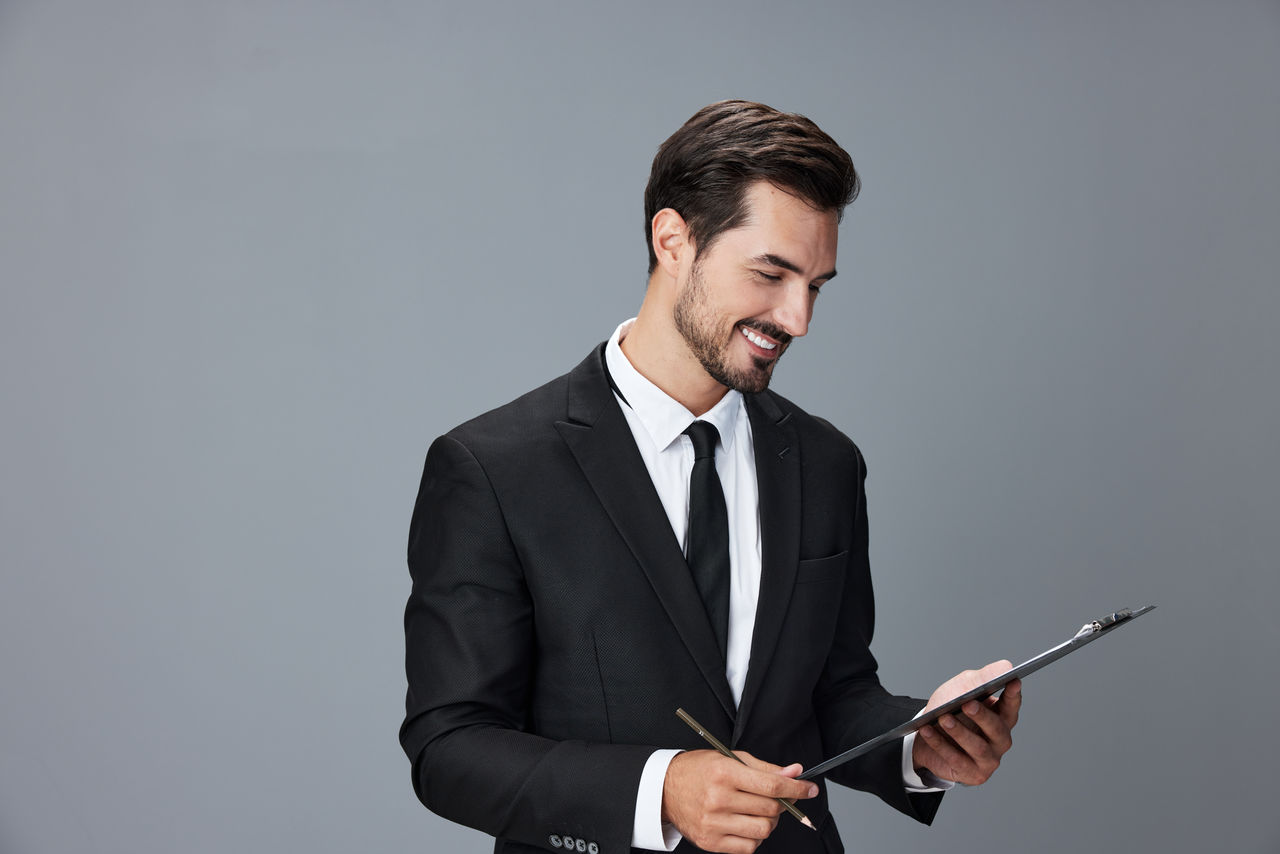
660	355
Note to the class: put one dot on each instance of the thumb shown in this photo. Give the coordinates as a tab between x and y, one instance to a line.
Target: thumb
994	669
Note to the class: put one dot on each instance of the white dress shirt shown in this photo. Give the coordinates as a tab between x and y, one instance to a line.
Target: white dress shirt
658	423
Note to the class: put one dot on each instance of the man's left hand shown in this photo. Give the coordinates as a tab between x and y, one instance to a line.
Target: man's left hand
966	747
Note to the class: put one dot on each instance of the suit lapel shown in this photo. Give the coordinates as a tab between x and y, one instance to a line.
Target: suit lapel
601	441
777	456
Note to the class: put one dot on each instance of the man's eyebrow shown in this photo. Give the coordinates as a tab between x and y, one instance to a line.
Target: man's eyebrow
778	261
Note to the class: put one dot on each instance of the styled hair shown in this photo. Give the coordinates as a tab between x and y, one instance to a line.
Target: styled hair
703	170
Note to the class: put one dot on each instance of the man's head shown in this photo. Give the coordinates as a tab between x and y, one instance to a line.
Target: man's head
703	170
743	205
738	306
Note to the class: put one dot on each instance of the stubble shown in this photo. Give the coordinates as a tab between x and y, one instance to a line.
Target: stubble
697	323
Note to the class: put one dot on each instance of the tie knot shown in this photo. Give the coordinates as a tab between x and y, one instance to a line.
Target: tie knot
704	435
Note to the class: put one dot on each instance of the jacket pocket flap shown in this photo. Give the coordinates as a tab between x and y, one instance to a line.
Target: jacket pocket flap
821	568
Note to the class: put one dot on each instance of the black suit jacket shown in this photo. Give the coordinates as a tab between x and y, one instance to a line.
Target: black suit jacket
553	627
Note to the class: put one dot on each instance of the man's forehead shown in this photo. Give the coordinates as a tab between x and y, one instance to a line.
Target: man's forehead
780	226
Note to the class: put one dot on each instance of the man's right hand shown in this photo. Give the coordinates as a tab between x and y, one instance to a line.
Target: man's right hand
721	805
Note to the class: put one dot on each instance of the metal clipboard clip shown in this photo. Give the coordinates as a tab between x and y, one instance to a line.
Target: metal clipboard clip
1102	622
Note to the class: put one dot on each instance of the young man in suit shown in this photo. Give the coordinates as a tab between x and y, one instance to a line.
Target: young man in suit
657	529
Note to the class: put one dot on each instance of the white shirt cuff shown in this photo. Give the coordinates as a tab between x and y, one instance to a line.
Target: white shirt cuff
648	830
925	780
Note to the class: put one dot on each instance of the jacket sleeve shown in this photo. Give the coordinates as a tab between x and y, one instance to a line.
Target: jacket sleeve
851	704
470	658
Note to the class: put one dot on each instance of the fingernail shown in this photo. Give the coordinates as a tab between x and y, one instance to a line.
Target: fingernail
813	791
971	709
928	733
948	722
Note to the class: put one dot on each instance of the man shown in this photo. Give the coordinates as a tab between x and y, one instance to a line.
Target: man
587	558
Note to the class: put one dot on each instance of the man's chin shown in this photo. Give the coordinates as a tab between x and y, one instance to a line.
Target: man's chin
752	380
761	375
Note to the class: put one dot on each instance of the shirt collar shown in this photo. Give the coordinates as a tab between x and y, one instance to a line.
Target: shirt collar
662	417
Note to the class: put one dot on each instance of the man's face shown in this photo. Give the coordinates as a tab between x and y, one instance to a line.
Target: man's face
753	290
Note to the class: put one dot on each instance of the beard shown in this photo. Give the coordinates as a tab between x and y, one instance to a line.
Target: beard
696	321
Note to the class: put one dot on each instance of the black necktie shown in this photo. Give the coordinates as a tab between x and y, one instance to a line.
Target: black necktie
708	553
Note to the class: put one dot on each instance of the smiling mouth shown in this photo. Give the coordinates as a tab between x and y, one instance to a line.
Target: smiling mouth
758	339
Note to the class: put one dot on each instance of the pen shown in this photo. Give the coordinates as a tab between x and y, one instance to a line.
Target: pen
715	742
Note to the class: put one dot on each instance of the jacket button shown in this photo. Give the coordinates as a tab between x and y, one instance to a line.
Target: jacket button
554	840
592	848
581	845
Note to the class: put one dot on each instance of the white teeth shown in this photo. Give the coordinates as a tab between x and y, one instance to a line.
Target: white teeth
757	340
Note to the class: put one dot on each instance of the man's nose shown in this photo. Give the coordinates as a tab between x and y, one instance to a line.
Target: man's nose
795	309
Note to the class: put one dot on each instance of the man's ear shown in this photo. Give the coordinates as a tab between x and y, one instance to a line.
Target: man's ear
671	242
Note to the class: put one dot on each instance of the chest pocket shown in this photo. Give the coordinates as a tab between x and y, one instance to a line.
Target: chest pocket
822	569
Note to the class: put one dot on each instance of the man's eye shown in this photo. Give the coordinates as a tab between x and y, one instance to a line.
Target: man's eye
770	277
815	289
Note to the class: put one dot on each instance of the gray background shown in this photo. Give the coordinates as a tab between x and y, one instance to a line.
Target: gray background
255	255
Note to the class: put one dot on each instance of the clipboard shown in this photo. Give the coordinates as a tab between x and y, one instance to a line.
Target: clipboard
1089	633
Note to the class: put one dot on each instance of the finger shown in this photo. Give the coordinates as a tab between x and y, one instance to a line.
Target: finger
986	724
982	757
994	669
945	759
1010	703
750	804
745	825
741	816
723	843
974	744
735	845
769	786
981	718
774	781
777	786
966	681
795	769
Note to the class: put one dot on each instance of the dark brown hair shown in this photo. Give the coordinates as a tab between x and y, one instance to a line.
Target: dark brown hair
703	170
